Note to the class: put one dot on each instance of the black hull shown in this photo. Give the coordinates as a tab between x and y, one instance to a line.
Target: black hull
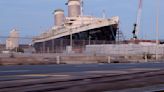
103	35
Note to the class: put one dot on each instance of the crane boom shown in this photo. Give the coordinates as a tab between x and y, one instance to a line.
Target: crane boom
138	21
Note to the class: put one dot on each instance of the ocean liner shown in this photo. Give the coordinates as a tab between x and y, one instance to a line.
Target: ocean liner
76	30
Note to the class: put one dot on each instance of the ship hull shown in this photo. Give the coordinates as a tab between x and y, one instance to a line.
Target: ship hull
102	35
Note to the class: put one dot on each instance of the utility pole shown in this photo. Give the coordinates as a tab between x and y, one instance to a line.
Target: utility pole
157	27
71	39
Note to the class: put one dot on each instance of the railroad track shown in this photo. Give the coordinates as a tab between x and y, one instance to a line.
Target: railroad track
98	83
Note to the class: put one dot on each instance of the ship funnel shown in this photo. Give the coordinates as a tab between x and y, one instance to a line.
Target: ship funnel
59	17
74	8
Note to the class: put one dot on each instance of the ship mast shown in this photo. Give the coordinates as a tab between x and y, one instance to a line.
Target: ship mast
82	7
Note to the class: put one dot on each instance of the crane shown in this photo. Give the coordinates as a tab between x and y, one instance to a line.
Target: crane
138	21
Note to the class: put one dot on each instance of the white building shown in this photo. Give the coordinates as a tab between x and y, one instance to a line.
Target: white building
13	40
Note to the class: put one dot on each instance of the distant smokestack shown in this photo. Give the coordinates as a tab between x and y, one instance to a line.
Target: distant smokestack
58	17
74	8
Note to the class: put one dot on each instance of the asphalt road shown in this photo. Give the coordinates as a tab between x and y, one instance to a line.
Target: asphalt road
136	77
42	69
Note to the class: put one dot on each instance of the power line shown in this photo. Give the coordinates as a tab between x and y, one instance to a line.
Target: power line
17	37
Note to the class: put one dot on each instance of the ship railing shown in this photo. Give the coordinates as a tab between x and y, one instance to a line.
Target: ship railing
97	24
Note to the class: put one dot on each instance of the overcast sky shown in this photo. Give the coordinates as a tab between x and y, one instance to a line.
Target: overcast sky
32	17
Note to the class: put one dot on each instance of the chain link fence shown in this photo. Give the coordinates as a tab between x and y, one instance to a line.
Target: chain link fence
86	47
65	46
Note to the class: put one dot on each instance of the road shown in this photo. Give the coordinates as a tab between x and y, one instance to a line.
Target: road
94	77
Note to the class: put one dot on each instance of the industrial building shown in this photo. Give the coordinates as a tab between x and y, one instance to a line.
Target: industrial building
13	40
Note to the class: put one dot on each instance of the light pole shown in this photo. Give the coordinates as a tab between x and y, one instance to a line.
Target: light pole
71	42
157	28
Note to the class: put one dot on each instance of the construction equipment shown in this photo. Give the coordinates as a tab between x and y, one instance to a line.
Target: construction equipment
138	21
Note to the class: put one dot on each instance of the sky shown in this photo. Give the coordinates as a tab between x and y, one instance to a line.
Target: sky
32	17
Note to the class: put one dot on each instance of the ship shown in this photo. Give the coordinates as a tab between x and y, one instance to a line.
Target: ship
76	30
